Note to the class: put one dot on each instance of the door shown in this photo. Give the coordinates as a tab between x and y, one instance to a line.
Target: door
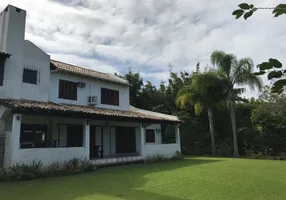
125	140
92	142
2	149
96	142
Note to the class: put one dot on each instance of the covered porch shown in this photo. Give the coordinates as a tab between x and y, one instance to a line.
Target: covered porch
54	137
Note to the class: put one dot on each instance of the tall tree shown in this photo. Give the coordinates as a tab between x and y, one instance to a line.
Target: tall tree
137	83
205	91
235	72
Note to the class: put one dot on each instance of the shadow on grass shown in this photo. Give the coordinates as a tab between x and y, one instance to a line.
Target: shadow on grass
120	182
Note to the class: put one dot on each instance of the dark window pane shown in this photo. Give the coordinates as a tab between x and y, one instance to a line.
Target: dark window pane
150	135
30	76
67	90
2	64
33	136
74	135
109	97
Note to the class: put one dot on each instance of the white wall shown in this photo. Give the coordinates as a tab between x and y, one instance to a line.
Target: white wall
24	54
92	88
49	155
161	149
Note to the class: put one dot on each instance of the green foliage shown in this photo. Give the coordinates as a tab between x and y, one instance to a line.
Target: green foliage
35	169
279	10
247	10
161	158
225	148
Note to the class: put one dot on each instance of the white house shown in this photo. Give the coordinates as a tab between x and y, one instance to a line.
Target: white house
54	111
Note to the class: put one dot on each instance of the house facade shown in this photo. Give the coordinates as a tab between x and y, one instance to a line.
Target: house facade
52	111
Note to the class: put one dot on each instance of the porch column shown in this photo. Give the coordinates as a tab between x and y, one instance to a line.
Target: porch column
178	139
13	142
142	133
86	138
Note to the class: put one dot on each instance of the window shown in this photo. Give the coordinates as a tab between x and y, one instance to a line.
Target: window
33	136
2	64
109	97
150	135
74	135
67	90
30	76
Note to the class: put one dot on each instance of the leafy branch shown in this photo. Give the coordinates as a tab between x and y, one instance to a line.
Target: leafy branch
247	10
273	67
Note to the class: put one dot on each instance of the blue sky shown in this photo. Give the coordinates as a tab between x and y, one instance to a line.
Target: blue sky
146	35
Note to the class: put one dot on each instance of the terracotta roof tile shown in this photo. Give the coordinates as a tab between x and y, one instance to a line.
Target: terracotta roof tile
65	67
46	107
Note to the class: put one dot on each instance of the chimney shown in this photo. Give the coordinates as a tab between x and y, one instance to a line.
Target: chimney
12	30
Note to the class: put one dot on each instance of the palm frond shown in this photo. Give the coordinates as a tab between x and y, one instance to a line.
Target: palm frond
246	77
198	108
184	96
244	64
224	62
216	57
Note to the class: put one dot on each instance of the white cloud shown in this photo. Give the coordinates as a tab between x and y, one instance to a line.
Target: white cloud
150	34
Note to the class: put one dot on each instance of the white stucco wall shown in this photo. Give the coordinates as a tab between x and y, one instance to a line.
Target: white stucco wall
92	88
50	155
24	54
161	149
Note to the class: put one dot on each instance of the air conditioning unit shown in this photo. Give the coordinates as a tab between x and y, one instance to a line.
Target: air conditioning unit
81	84
92	100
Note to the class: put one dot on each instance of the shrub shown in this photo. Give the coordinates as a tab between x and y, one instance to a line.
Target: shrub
282	155
72	165
87	166
33	170
4	176
225	148
161	158
53	169
177	156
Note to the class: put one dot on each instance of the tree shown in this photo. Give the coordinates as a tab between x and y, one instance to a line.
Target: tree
235	72
273	67
205	91
136	81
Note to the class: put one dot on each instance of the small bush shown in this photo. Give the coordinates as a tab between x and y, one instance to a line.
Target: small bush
53	170
177	156
34	170
282	155
87	166
161	158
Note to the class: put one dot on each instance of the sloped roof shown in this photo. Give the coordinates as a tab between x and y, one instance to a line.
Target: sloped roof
28	106
65	67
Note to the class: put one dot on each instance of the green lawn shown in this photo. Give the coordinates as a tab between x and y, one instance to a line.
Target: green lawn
193	178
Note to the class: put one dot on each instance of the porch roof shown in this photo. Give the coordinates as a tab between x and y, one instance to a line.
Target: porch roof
22	106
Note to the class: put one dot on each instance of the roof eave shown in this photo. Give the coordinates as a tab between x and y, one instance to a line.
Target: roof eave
78	74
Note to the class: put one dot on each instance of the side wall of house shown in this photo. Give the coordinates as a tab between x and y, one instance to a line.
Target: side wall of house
92	88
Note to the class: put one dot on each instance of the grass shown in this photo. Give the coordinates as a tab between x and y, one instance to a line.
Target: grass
192	178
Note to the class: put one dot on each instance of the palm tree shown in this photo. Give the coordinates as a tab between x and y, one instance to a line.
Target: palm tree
235	72
205	90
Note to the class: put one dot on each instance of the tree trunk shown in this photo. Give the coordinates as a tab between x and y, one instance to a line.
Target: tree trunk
233	123
211	123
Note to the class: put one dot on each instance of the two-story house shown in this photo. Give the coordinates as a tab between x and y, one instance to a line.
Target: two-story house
53	111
